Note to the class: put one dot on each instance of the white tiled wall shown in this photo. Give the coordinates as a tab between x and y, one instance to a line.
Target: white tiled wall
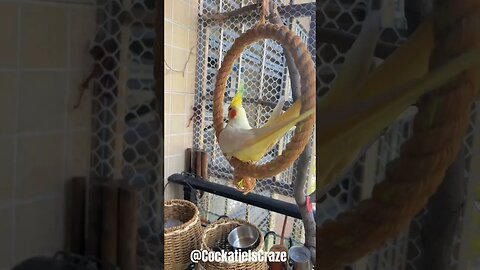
180	37
43	140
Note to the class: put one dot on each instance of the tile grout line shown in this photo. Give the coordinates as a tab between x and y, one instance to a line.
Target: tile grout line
16	139
165	116
180	92
42	133
29	201
170	61
170	102
178	134
166	165
175	156
186	67
179	24
41	69
68	91
59	2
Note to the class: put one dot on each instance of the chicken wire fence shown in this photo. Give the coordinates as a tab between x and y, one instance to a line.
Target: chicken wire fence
126	134
263	71
404	252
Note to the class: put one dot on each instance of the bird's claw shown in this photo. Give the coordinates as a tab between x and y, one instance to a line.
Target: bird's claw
245	184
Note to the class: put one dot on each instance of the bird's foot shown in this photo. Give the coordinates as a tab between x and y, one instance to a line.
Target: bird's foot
245	184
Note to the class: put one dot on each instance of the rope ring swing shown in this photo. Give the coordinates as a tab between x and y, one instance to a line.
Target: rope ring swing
304	63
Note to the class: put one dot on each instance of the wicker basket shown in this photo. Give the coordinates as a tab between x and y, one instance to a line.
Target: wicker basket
216	234
181	240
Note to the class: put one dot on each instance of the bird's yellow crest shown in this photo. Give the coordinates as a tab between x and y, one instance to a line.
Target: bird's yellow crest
237	99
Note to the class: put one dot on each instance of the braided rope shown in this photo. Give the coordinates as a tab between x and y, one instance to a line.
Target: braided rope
304	63
265	11
424	159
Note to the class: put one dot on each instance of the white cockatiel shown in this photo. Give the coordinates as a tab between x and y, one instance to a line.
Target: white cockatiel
238	139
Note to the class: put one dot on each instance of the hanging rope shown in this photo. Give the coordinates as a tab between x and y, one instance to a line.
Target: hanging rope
424	159
265	11
303	61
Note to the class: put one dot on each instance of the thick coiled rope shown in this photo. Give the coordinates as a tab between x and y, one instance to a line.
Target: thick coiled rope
424	159
303	61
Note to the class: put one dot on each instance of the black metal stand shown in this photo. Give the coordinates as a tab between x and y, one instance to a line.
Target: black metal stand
192	182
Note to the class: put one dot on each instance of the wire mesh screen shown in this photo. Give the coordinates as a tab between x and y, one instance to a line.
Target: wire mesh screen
126	135
263	71
404	252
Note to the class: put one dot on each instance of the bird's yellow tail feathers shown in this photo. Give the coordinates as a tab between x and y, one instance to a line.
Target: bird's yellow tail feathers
267	136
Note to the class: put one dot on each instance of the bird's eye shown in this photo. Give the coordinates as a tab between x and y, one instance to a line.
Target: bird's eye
229	108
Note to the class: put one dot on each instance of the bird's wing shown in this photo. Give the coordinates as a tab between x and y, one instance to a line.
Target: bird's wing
338	108
410	61
265	137
277	111
292	113
344	131
231	140
380	110
359	58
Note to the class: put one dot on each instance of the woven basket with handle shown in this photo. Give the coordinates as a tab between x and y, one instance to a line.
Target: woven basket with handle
215	235
181	240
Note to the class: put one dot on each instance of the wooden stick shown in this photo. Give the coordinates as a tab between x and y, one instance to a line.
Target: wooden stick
204	165
282	237
108	250
234	13
279	248
198	162
188	160
76	189
193	161
92	245
127	228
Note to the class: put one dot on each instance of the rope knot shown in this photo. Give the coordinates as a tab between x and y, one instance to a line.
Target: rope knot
265	12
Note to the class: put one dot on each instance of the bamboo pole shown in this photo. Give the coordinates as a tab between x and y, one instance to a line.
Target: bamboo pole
188	160
127	228
92	245
108	246
204	165
198	162
76	190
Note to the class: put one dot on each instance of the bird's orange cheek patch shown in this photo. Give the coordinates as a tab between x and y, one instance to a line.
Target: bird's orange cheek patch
232	114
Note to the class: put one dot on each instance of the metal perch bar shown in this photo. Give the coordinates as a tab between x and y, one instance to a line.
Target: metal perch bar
198	183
